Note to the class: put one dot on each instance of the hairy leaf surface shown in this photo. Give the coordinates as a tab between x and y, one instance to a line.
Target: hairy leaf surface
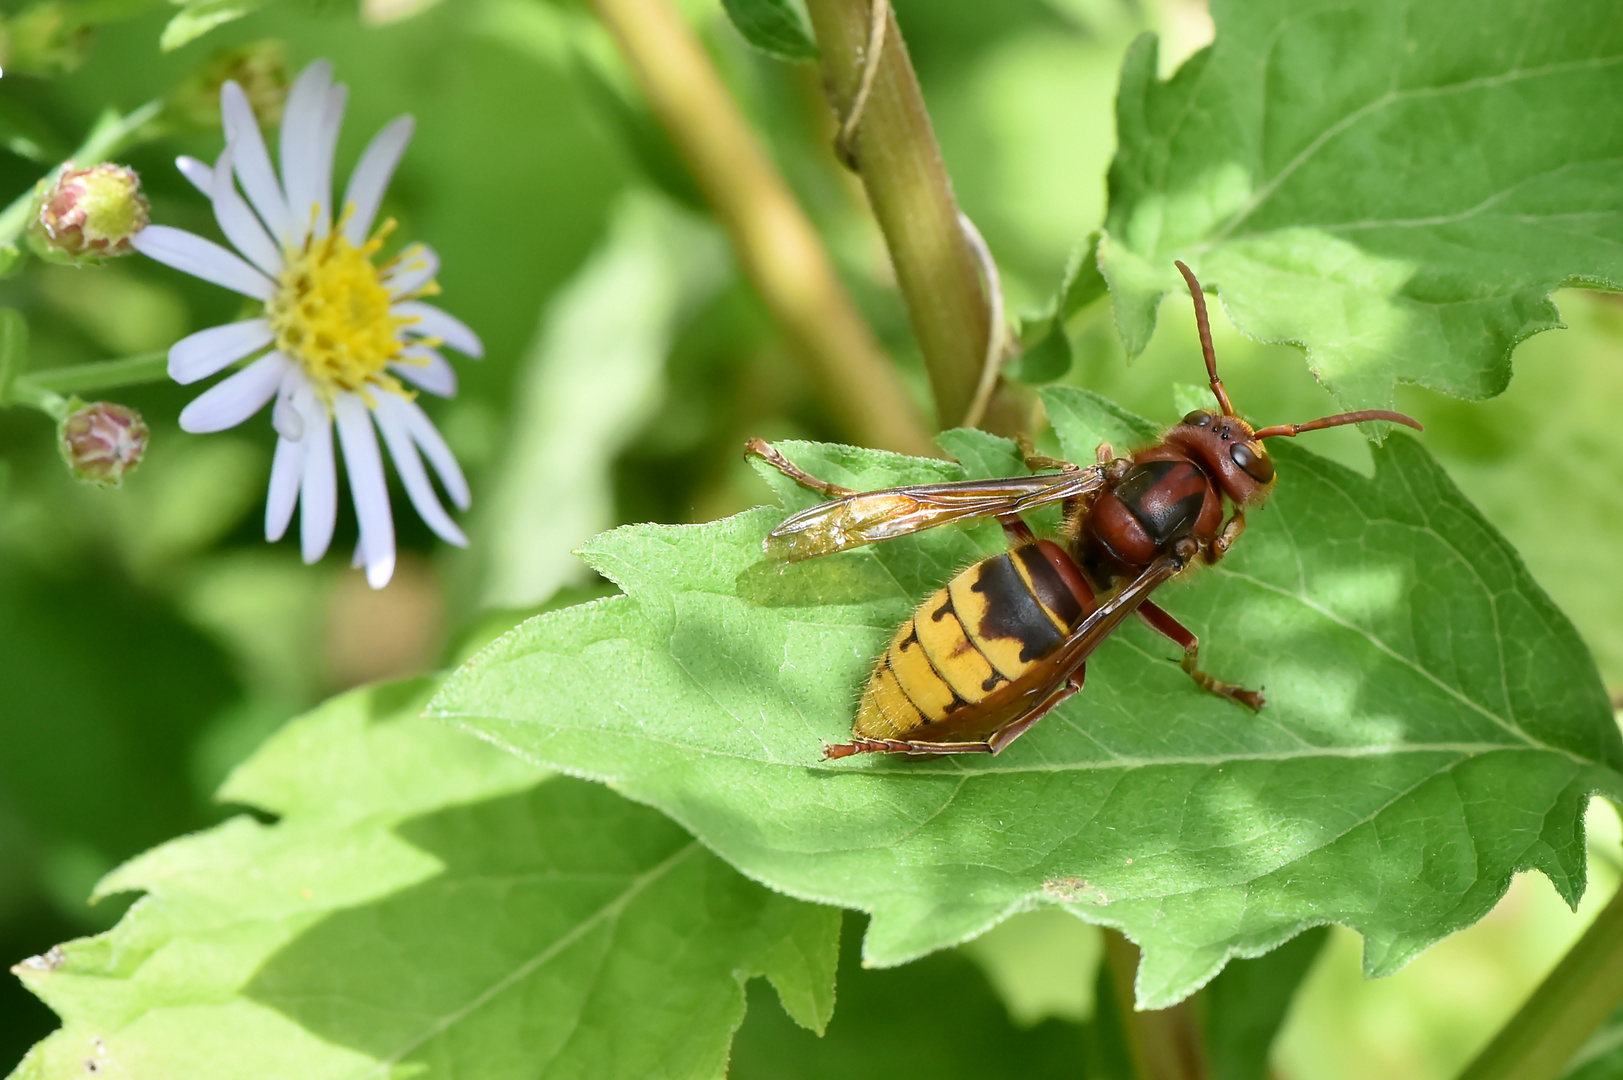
1434	723
1397	186
426	906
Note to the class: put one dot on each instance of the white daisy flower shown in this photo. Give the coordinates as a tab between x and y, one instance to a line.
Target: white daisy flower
338	332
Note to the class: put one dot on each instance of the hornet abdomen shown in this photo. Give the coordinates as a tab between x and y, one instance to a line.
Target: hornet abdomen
953	664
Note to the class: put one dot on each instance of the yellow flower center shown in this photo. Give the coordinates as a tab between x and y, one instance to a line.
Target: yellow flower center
330	314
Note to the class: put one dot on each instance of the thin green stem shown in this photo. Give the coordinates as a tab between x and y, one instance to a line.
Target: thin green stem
1566	1008
111	134
31	396
84	379
114	134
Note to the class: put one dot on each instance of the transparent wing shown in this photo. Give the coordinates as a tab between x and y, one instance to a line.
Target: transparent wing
870	516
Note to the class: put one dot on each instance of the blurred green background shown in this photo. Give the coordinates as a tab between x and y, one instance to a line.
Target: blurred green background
149	637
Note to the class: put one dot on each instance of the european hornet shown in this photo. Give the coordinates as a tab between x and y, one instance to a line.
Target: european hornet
1007	639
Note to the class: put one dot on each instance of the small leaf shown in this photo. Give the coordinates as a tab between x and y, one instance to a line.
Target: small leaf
1045	352
773	26
198	18
426	904
1246	1004
936	1018
1190	397
604	338
1434	723
1395	187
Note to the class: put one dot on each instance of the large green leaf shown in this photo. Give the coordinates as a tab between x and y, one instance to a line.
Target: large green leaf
426	906
1396	186
1434	722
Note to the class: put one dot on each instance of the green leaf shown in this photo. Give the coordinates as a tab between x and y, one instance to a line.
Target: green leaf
1045	344
604	339
1396	187
774	26
1246	1004
1042	964
426	905
199	17
1434	723
880	1033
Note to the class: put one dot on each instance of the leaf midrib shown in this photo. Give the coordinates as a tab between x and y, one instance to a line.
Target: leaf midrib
607	913
1527	742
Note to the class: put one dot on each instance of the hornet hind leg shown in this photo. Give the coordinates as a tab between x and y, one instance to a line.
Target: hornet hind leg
768	453
992	744
1163	623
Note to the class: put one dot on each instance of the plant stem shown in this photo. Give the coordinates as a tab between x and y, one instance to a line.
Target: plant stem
84	379
896	153
1566	1008
779	249
1165	1044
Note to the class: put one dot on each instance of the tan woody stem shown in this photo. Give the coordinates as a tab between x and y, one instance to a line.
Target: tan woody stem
776	244
894	149
1165	1044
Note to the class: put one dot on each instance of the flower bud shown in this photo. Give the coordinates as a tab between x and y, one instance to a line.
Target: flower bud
89	213
259	67
102	441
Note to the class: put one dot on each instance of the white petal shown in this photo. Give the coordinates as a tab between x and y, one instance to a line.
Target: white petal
332	118
432	322
426	436
252	162
286	415
231	401
209	351
371	177
201	176
284	487
436	375
397	436
367	486
318	481
202	259
238	223
301	140
417	266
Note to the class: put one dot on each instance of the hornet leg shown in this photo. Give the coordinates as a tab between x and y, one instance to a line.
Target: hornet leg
1015	528
1225	540
1165	624
1009	732
768	453
1040	462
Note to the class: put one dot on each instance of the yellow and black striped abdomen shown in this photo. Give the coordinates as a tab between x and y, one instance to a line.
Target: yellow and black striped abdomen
989	626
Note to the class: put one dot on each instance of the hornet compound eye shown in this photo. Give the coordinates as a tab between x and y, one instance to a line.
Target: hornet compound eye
1253	461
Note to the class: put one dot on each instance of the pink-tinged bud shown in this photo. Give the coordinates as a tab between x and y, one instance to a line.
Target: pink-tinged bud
90	213
101	442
